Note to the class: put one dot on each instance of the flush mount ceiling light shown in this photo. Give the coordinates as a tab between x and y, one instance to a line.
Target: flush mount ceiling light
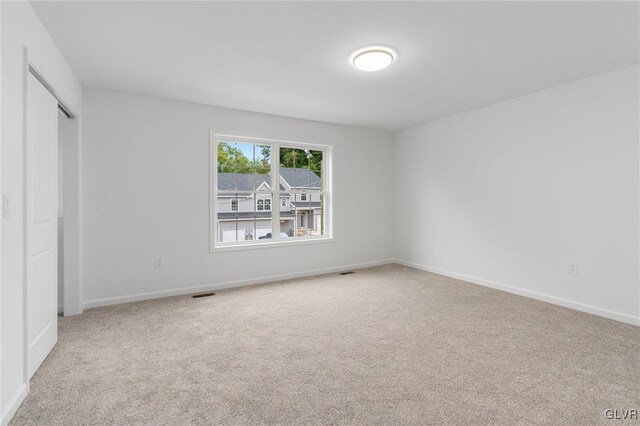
373	58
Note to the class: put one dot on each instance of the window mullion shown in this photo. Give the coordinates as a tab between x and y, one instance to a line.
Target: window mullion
275	193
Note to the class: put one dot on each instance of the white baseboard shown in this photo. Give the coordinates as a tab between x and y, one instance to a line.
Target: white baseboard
240	283
474	280
594	310
11	408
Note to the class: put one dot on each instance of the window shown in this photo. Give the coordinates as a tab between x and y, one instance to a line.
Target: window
264	204
249	174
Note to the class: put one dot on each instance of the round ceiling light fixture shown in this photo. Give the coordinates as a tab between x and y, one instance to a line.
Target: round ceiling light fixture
373	58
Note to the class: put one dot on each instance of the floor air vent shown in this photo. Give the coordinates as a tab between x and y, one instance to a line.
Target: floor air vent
346	273
197	296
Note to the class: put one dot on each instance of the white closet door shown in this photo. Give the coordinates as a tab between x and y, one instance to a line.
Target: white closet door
41	222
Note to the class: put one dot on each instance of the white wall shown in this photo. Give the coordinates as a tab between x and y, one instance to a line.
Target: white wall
21	28
509	194
146	194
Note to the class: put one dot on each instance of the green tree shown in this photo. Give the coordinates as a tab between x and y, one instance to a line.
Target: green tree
301	159
262	165
232	160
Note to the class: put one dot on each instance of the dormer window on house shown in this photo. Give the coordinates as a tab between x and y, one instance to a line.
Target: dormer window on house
264	204
248	174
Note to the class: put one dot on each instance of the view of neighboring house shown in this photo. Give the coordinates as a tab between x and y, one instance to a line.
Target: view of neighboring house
246	213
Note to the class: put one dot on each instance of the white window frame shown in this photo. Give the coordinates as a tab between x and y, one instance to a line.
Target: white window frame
265	203
234	200
326	192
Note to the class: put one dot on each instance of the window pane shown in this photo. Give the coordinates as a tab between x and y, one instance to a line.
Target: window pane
306	216
315	165
262	159
317	224
232	208
262	168
287	215
243	166
249	229
301	168
263	216
228	232
244	216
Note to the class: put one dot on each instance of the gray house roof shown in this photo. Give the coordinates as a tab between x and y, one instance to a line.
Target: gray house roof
240	182
298	178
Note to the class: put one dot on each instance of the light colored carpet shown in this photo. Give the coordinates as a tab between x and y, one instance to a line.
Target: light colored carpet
386	345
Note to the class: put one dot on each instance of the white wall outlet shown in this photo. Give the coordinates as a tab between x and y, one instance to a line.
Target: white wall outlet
573	268
157	262
6	206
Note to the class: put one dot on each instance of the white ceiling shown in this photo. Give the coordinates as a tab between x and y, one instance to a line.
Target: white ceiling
292	58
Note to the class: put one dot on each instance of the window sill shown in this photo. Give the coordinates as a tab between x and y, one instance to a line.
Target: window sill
271	244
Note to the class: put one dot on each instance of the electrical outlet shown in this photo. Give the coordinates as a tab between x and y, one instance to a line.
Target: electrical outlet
158	262
573	268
